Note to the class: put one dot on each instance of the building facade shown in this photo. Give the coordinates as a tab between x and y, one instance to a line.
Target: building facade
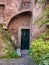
19	17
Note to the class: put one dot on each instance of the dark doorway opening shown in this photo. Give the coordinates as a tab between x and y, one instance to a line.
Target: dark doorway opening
25	39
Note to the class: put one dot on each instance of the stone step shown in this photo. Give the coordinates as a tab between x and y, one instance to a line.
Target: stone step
24	53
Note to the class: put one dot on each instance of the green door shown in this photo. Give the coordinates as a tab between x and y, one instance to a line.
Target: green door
25	39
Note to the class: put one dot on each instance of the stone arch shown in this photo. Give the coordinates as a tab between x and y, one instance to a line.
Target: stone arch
19	22
17	14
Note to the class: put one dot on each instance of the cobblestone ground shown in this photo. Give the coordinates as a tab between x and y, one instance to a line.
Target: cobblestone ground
21	61
24	60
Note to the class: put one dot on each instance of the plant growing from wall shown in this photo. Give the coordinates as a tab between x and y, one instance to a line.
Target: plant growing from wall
10	51
44	18
39	49
6	36
40	2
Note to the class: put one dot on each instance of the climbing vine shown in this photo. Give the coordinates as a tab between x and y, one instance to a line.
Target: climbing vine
10	50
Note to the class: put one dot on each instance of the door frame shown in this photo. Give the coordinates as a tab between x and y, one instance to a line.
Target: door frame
19	34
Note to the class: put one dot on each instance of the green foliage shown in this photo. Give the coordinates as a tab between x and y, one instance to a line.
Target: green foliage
7	37
44	19
45	36
13	44
6	42
11	54
10	51
39	50
41	1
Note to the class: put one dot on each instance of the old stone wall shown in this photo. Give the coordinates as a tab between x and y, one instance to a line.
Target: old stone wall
10	8
15	6
1	13
18	23
37	11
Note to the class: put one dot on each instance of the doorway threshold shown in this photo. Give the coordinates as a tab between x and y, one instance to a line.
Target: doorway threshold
24	53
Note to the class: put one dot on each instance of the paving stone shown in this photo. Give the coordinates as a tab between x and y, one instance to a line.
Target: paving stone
24	60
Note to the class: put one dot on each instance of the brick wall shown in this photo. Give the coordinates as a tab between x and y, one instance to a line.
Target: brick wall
18	23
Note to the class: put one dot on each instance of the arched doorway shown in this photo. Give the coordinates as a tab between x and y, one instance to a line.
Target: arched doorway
19	27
